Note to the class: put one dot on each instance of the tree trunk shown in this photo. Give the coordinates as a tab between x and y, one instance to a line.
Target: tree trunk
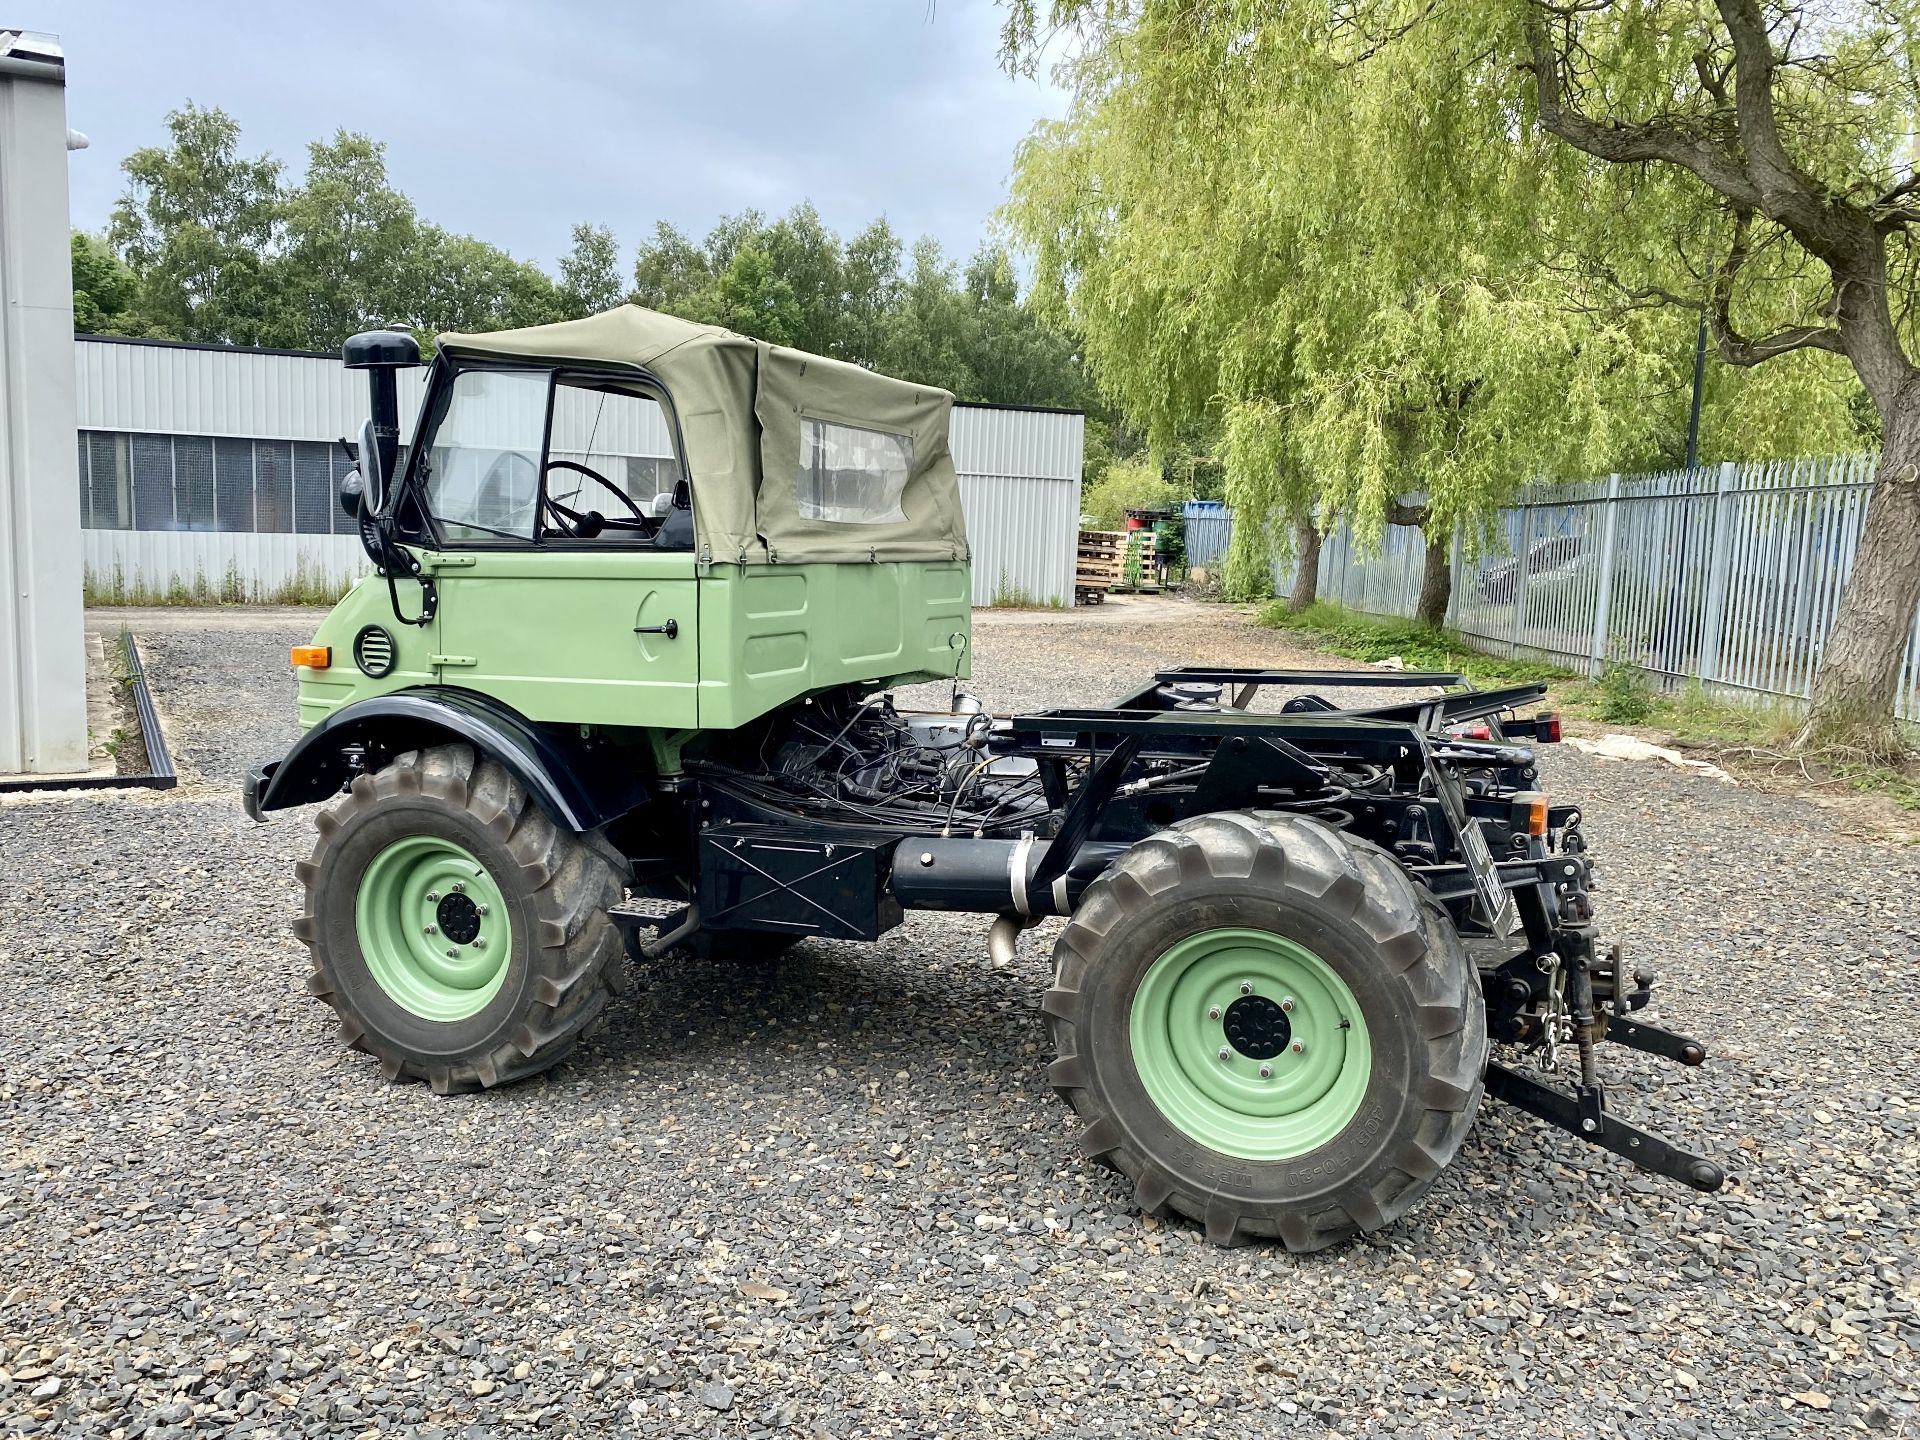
1306	574
1853	693
1436	581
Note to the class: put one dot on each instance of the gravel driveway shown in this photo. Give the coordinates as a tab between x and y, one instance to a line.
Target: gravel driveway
837	1196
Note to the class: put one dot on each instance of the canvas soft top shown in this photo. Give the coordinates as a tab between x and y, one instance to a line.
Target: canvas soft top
776	439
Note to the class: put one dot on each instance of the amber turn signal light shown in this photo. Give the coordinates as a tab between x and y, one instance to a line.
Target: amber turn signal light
1530	812
312	657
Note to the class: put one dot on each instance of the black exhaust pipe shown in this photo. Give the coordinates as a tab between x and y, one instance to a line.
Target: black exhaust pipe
931	873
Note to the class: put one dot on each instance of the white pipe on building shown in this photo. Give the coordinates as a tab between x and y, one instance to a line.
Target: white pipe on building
43	677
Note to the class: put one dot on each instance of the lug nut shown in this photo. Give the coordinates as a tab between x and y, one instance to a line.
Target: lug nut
1213	1012
1266	1072
1299	1047
459	887
1226	1053
432	930
453	954
432	895
479	909
479	942
1287	1004
1246	987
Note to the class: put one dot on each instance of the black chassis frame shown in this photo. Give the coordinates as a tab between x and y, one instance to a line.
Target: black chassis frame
1111	776
1548	987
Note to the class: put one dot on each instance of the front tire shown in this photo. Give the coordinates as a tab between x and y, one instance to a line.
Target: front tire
461	936
1262	1024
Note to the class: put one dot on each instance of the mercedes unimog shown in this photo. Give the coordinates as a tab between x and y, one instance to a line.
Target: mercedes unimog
621	684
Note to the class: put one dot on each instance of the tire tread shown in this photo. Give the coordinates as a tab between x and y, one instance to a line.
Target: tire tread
576	953
1411	931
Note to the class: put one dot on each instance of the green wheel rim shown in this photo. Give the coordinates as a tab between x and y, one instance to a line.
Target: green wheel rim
1179	1027
401	913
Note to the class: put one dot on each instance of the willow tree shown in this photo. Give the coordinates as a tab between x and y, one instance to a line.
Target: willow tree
1745	164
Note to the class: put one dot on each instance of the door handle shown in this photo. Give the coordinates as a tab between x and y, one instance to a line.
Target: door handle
671	629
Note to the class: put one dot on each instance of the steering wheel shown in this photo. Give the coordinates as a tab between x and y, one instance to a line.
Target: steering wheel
590	523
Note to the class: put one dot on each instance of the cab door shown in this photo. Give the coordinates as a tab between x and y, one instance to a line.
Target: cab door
588	638
546	493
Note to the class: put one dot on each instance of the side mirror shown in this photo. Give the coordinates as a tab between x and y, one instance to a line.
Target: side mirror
351	488
373	480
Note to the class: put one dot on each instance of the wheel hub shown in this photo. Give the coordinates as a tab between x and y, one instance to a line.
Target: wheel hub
1257	1027
432	927
458	918
1250	1044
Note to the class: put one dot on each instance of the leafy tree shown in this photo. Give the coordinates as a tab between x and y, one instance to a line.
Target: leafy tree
794	282
753	297
870	273
590	272
106	293
456	282
807	256
925	335
198	225
1126	485
348	237
1624	165
670	272
1010	354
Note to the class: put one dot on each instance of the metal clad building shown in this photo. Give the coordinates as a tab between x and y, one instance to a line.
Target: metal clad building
1020	486
212	469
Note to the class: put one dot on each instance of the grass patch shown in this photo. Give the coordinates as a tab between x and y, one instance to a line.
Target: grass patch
1009	596
306	587
1341	631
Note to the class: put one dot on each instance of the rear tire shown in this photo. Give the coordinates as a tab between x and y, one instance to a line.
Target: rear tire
479	994
1313	1145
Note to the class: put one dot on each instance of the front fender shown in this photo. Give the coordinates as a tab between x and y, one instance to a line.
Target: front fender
581	785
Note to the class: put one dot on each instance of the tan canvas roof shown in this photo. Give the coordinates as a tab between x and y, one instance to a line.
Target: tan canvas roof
750	414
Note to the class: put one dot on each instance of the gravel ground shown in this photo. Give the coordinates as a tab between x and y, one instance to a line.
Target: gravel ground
838	1197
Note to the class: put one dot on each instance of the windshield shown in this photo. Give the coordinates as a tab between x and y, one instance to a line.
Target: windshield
483	463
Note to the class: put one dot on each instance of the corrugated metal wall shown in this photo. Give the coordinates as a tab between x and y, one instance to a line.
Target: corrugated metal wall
162	566
161	389
1019	470
1020	486
1209	531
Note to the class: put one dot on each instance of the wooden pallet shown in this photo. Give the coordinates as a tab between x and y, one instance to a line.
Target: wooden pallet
1100	558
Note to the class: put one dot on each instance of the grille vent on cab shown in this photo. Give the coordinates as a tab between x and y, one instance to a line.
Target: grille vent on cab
373	651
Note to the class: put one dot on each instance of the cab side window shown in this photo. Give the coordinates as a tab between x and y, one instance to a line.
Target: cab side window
610	455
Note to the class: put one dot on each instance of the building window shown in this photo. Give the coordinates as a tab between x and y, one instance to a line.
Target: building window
106	498
193	481
153	485
273	486
204	482
233	486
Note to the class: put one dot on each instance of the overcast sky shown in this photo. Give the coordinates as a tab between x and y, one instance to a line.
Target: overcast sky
512	120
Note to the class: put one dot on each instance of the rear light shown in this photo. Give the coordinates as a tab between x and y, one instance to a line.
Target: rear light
1546	727
312	657
1529	813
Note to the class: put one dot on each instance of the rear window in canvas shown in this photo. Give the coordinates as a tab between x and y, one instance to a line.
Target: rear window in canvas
850	475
